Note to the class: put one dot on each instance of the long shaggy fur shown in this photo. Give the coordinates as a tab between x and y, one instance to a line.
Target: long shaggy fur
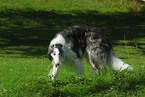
77	40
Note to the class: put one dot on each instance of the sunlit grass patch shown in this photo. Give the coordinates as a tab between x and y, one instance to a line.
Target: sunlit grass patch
112	83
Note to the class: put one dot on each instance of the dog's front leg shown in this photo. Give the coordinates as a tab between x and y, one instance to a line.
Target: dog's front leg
79	67
50	73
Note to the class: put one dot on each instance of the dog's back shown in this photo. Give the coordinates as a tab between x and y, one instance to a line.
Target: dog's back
82	36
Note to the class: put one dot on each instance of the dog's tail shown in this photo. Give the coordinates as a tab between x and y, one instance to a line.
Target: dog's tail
118	64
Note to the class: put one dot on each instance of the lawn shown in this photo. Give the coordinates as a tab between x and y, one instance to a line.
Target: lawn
27	27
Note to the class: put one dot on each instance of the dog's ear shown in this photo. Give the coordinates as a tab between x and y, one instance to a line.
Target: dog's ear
61	51
58	45
52	46
49	54
50	50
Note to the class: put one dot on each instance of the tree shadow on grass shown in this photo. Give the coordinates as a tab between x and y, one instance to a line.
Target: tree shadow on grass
37	28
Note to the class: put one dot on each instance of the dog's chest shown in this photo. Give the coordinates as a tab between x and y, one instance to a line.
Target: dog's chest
69	53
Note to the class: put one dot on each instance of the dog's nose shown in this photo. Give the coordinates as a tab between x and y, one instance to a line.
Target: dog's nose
56	64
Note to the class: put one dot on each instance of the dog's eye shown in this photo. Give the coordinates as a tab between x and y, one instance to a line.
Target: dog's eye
54	54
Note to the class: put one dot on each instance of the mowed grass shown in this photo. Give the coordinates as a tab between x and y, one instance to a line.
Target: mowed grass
27	27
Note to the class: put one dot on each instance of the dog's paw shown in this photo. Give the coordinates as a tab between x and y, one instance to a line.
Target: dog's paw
51	77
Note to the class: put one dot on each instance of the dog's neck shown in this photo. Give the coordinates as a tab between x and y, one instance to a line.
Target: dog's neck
59	39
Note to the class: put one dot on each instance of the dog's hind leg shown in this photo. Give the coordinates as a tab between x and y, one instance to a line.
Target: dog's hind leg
95	70
79	67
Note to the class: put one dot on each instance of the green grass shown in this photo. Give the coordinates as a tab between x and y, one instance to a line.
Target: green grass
27	26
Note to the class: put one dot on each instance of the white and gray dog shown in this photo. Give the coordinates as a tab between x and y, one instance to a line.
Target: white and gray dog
74	41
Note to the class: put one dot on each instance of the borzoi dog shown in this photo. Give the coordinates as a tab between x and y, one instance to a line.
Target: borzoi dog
74	41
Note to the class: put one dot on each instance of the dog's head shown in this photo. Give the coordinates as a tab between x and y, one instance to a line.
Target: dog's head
55	51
